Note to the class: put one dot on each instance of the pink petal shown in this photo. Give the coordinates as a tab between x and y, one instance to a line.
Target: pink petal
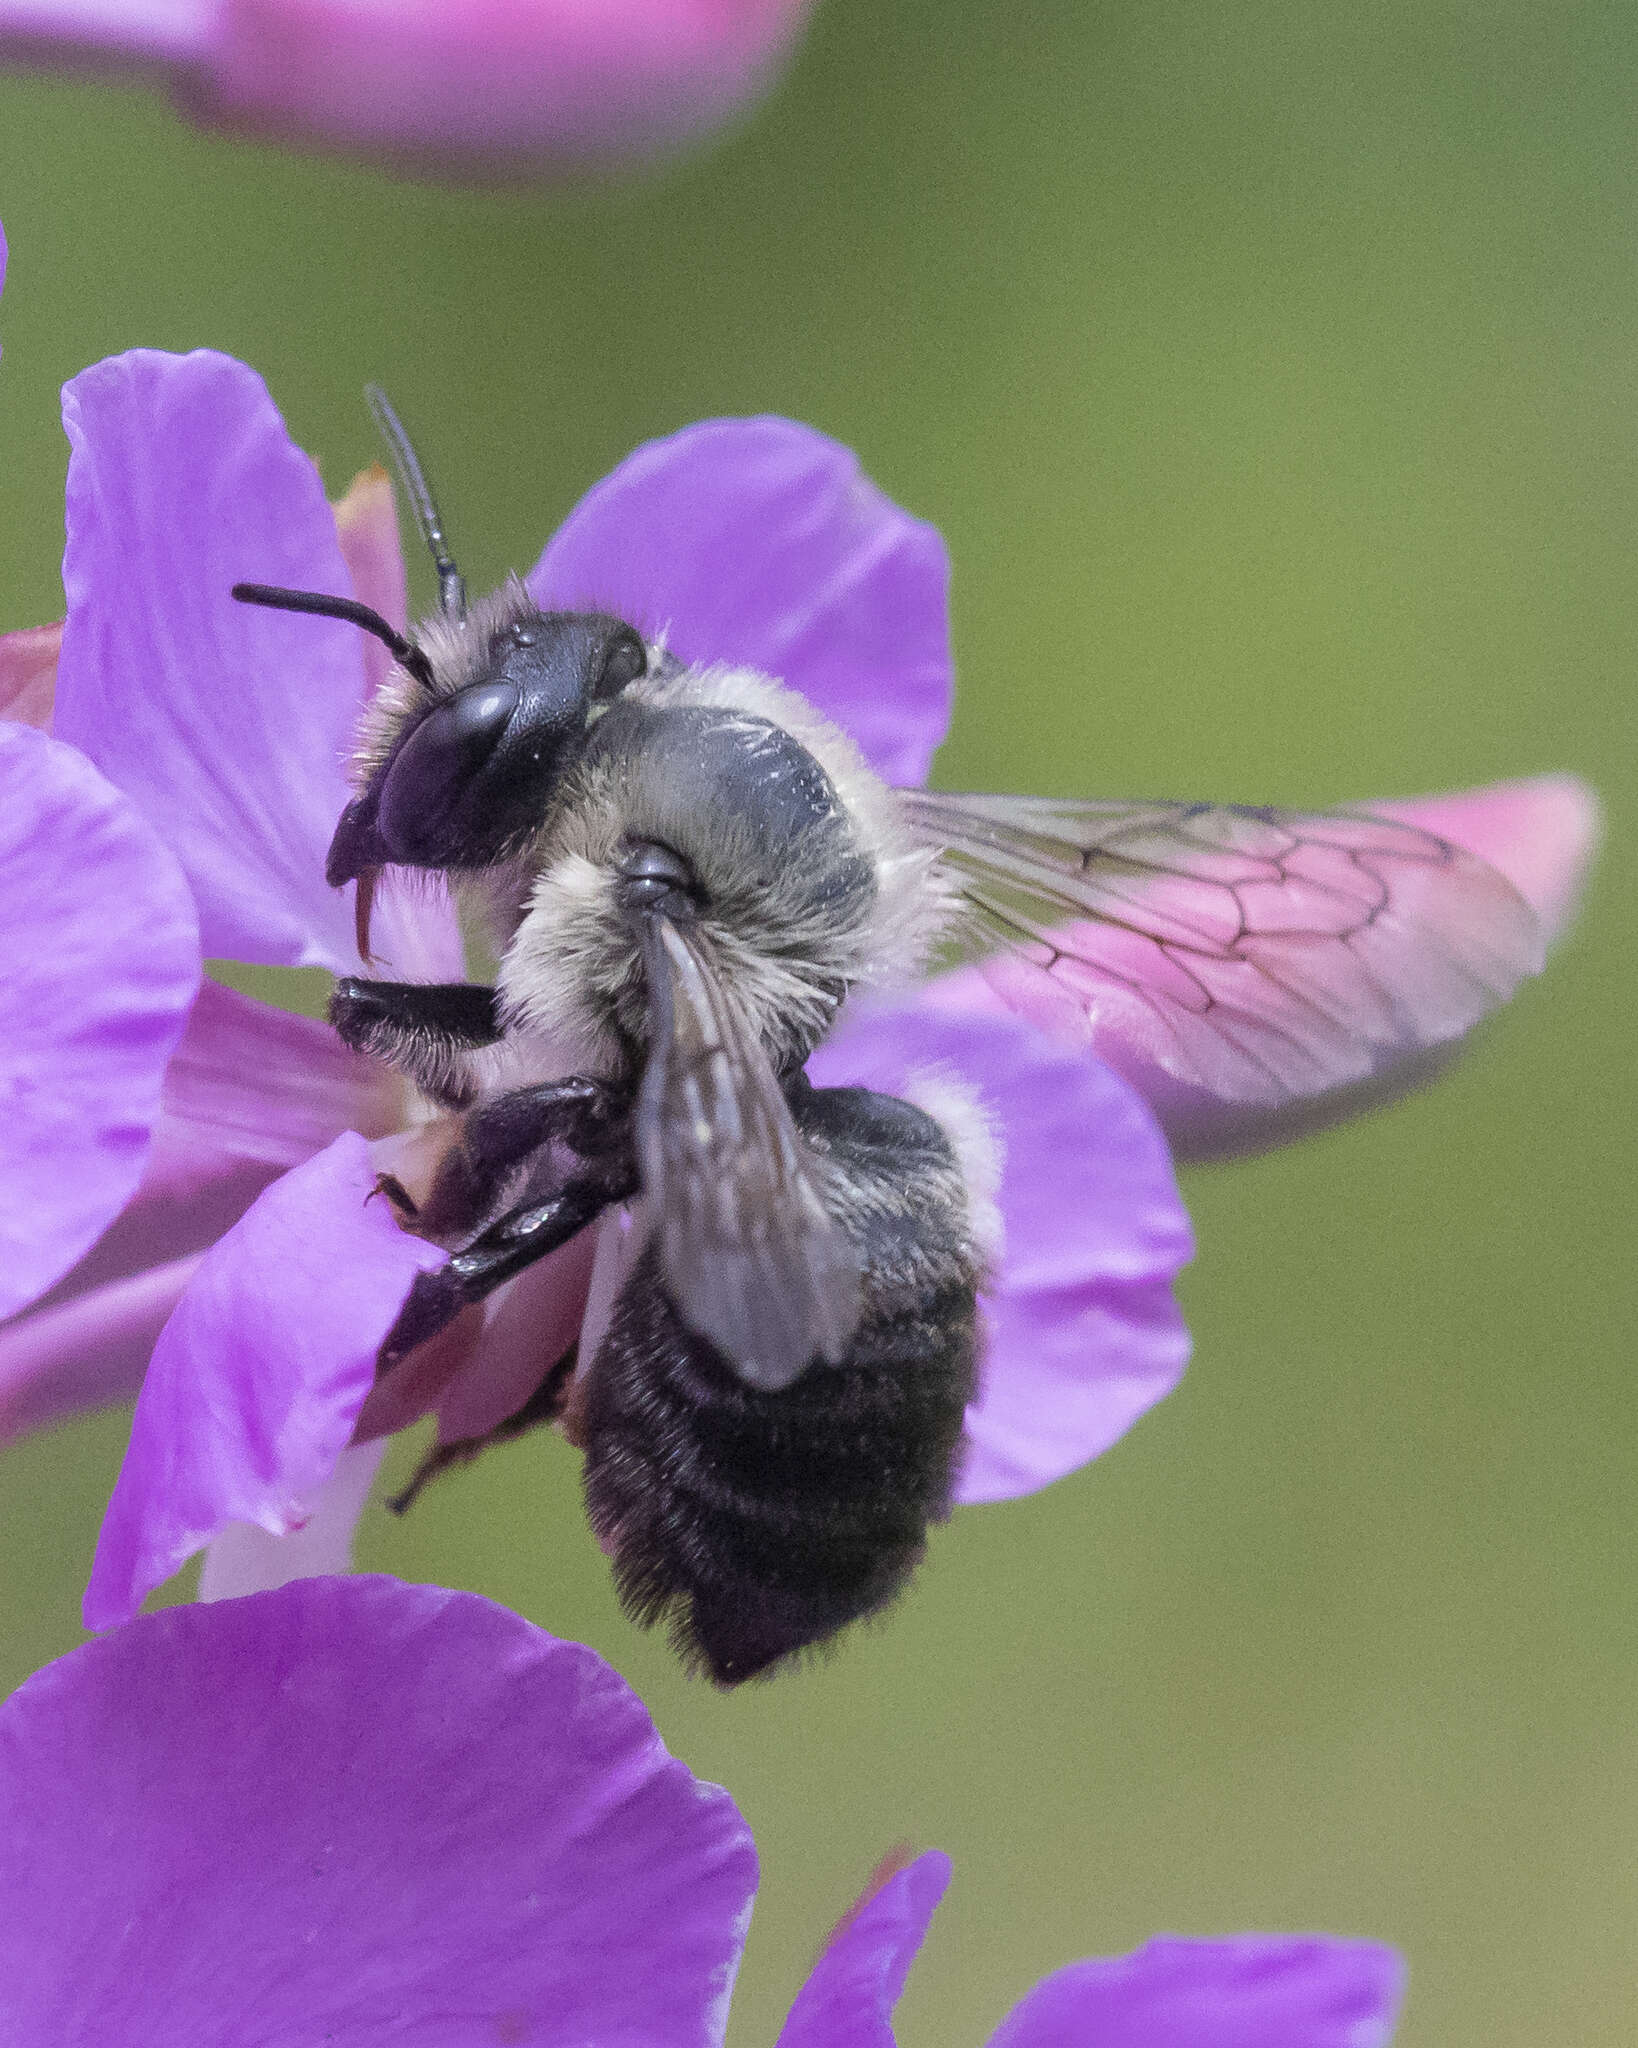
527	1327
849	1997
1249	1991
1541	833
760	542
101	948
367	530
356	1812
226	724
1082	1332
258	1378
28	674
468	79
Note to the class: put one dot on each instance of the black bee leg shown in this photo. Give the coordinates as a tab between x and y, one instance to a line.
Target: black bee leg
389	1185
516	1240
591	1117
423	1029
543	1406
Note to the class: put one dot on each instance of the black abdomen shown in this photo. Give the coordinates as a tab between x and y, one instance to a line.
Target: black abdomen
759	1523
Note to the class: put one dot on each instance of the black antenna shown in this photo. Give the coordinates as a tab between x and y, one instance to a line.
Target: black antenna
404	652
451	584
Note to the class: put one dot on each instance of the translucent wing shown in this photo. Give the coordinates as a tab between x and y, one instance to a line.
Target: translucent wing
1263	957
750	1255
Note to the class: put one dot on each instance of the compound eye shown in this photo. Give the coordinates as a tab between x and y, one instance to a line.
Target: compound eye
625	661
425	798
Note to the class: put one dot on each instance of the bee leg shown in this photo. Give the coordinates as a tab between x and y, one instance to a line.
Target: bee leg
514	1241
590	1116
543	1407
423	1029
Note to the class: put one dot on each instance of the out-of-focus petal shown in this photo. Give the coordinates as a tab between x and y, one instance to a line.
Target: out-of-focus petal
143	31
502	82
1250	1991
528	1326
367	529
101	953
249	1092
1083	1333
848	2000
271	1085
28	674
354	1811
1540	832
258	1378
88	1351
762	543
227	725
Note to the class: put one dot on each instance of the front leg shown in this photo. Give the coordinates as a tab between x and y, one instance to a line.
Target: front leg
591	1117
424	1030
516	1240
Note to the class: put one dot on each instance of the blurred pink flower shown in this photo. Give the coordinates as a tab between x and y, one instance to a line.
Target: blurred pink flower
484	82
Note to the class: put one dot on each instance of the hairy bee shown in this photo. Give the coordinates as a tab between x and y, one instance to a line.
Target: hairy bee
686	872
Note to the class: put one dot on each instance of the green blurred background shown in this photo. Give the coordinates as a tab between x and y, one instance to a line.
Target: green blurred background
1271	370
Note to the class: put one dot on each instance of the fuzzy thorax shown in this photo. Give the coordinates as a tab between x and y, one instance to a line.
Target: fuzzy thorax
810	881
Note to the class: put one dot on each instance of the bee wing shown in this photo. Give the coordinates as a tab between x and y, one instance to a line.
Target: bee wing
1263	956
751	1257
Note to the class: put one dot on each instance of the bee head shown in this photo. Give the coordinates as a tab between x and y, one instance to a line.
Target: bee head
483	735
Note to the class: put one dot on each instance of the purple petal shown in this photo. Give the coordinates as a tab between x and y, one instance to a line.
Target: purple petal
848	2000
264	1084
249	1092
226	724
141	30
760	542
258	1378
358	1812
244	1559
1250	1991
87	1351
101	954
1083	1334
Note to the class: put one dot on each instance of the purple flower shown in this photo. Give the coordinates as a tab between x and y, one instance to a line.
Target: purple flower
248	1091
831	586
354	1810
480	83
751	541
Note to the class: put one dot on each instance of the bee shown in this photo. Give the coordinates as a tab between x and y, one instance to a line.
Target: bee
687	871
